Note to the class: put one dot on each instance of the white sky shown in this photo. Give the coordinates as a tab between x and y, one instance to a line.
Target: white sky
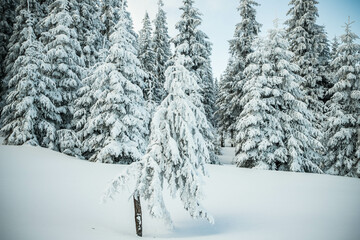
220	16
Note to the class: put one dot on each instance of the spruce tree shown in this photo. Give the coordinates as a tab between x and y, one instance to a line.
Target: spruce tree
224	115
343	121
232	82
307	42
7	20
109	17
117	128
332	66
30	115
86	99
147	59
64	54
88	27
177	152
161	47
275	131
334	48
193	43
324	63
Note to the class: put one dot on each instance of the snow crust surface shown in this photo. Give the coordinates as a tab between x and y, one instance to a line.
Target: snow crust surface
46	195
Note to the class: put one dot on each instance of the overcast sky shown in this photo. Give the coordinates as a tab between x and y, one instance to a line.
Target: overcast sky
220	16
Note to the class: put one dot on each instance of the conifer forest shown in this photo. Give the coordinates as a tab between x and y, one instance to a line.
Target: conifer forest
78	79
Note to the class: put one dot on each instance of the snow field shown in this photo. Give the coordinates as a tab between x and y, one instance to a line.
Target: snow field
47	195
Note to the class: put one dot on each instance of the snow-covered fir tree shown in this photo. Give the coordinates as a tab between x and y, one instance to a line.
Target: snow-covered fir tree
274	129
307	42
343	118
88	26
30	115
117	128
232	82
177	152
109	18
64	54
161	47
334	48
224	116
7	19
333	55
325	82
86	98
193	43
147	59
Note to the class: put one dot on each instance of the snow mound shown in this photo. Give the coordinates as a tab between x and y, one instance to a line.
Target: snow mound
46	195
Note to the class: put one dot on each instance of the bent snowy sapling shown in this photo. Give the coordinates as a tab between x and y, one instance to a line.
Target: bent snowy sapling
177	151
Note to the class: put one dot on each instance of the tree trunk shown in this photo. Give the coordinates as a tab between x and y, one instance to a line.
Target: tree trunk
138	215
222	140
232	138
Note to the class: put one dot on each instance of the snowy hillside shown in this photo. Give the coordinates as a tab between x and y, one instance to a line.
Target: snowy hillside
46	195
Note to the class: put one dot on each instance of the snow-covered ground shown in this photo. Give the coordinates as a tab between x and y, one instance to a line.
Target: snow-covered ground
46	195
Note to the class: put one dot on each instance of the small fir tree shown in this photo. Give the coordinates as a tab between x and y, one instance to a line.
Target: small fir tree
194	44
343	118
117	127
232	82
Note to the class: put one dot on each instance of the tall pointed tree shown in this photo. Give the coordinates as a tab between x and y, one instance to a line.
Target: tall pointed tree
147	59
343	121
109	17
161	46
307	43
30	115
275	131
64	53
88	27
193	43
117	128
240	47
324	59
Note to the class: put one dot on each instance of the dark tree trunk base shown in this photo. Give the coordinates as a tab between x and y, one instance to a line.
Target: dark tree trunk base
138	215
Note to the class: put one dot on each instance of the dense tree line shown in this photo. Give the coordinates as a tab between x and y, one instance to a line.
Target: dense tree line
78	79
288	101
